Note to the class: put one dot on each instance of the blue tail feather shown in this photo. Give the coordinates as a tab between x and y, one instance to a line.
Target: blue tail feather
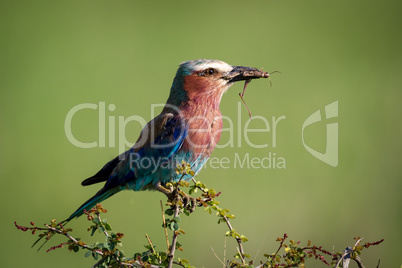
97	198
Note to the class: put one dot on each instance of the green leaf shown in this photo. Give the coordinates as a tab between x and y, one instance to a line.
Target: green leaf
148	247
169	212
278	258
95	255
212	192
93	230
105	246
88	253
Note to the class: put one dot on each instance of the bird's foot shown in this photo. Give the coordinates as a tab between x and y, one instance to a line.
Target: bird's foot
175	194
169	192
189	202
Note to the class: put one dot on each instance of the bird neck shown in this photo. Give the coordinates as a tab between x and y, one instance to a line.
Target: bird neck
198	104
204	126
193	91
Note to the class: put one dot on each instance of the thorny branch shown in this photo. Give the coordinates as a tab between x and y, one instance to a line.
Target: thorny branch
111	256
350	253
238	239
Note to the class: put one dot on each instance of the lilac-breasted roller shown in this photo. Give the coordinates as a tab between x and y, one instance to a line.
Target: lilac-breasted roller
187	129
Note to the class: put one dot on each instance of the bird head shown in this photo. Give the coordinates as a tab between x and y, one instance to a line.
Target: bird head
205	81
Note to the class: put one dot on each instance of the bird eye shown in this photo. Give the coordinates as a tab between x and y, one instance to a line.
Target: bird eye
208	72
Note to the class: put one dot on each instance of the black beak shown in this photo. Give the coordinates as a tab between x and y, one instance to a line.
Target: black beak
240	73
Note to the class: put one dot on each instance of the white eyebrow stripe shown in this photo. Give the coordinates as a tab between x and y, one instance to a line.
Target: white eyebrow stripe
221	66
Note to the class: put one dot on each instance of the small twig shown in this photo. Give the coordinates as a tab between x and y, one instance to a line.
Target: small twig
182	176
357	259
216	256
224	253
359	262
75	241
347	251
174	239
238	251
341	258
98	263
358	241
277	251
177	263
164	226
280	245
101	223
238	239
83	245
150	243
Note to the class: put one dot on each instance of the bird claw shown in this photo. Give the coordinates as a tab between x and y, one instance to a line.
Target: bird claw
175	194
188	202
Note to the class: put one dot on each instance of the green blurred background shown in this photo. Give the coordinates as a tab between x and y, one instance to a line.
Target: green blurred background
57	54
